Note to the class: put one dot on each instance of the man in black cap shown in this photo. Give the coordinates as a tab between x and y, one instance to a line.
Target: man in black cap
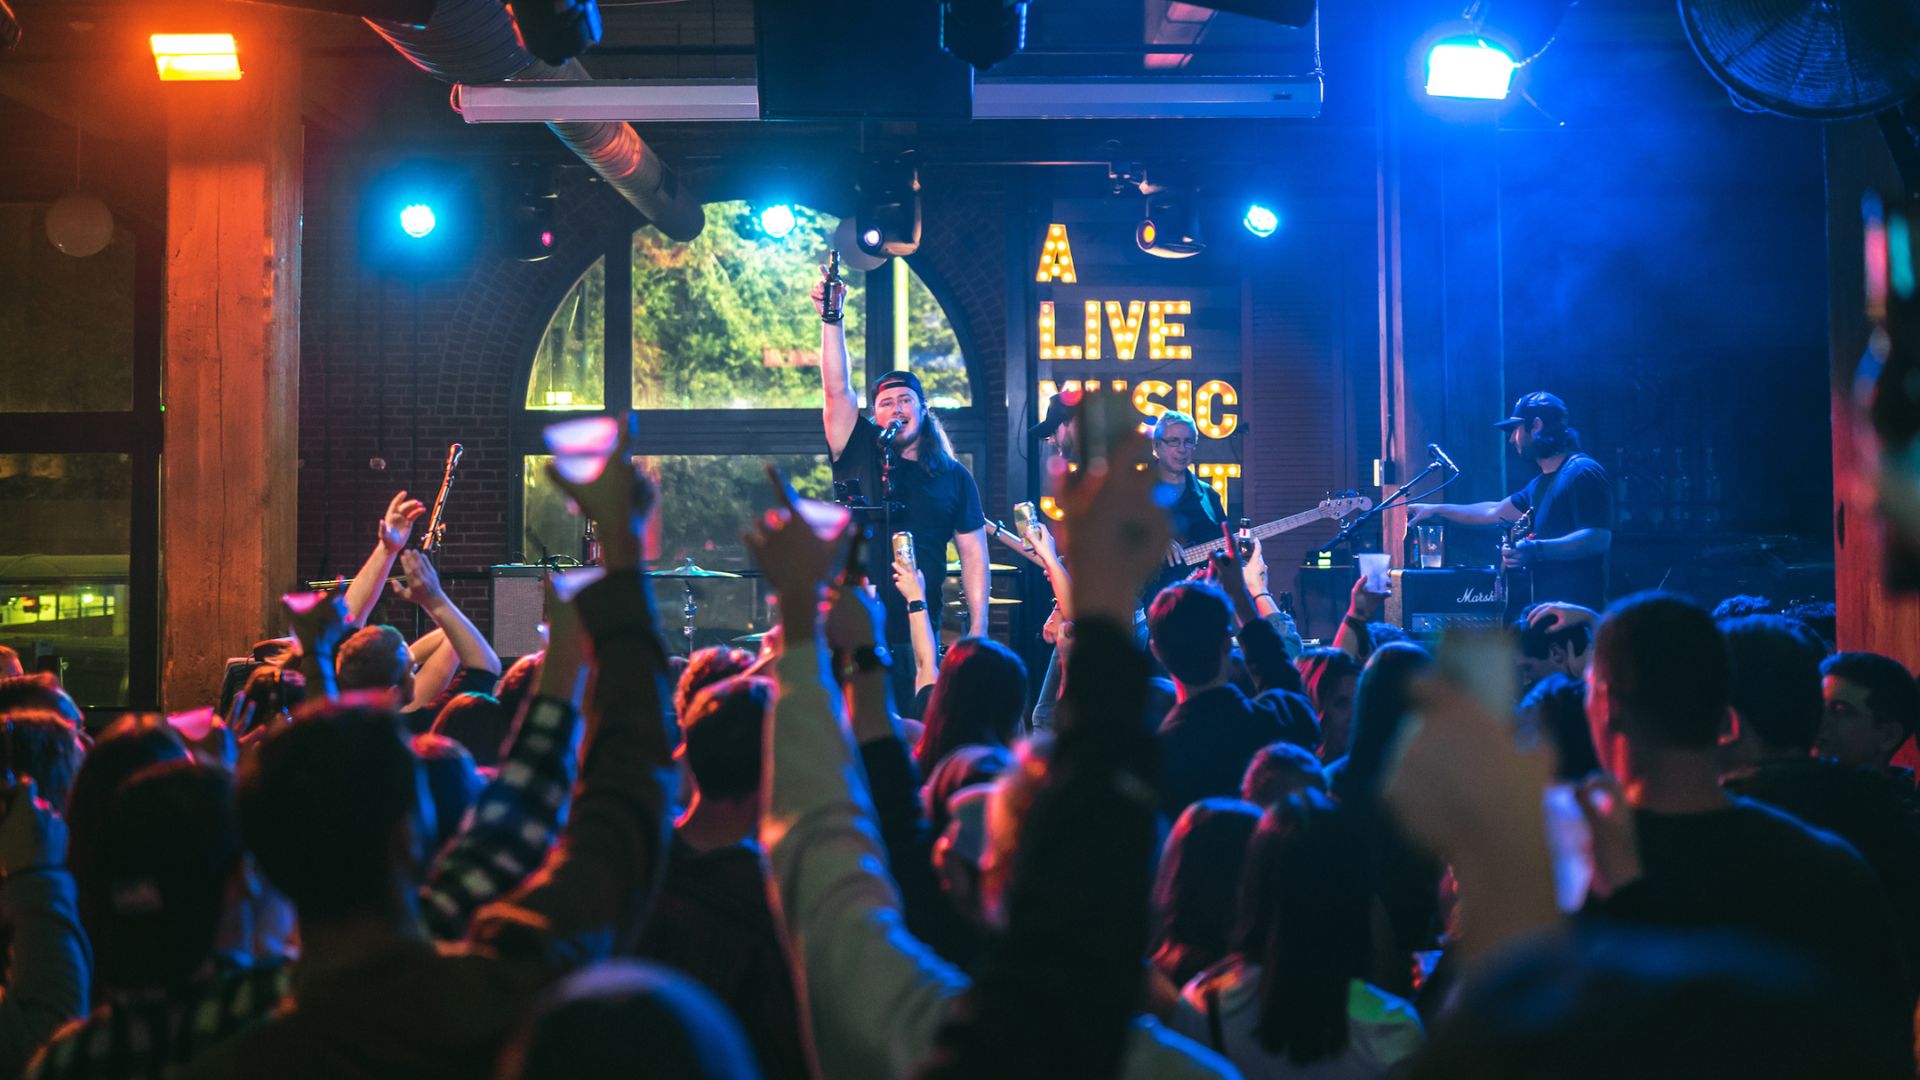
1571	501
933	495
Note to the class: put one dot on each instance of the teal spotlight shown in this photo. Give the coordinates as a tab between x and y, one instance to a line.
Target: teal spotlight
417	220
777	221
1260	221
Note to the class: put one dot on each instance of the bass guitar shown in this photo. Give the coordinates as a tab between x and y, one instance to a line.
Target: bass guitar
1332	507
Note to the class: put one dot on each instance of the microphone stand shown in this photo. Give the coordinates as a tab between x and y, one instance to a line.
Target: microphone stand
1396	499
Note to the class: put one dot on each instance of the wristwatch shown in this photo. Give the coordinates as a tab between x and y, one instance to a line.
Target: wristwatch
867	659
915	607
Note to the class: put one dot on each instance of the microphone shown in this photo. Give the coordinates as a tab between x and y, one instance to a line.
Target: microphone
1440	456
892	432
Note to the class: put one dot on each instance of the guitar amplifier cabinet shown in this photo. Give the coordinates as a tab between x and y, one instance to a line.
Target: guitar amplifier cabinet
519	607
1425	603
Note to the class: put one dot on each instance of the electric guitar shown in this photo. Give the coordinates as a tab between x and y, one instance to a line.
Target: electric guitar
1512	582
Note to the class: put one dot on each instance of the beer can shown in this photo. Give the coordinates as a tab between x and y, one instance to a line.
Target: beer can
903	549
1025	517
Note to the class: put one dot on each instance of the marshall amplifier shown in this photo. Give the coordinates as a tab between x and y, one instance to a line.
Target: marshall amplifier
519	607
1426	602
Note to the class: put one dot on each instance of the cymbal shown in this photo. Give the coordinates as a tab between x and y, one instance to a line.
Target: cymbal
749	639
992	601
688	570
954	567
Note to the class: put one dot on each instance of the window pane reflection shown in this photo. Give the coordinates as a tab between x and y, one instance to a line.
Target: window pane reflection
706	502
66	324
63	567
725	323
569	371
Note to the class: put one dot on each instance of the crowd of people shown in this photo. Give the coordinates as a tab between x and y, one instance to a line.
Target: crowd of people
1664	841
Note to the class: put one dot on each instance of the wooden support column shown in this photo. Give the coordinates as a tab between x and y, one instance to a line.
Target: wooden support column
232	365
1443	357
1870	617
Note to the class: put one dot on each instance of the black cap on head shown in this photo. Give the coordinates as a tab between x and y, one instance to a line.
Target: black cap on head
1538	405
900	378
1062	409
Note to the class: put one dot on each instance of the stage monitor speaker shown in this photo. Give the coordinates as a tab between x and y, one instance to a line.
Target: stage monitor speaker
857	59
519	607
1426	603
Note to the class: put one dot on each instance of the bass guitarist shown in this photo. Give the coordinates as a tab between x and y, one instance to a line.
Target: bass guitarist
1571	502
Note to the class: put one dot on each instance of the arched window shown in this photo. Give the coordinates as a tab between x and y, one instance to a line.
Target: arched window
718	351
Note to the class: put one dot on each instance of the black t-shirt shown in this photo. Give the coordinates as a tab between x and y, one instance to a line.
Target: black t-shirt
1195	516
1198	513
1750	867
938	505
1575	496
1864	808
465	681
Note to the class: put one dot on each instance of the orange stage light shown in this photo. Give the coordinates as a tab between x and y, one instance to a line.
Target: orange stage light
195	57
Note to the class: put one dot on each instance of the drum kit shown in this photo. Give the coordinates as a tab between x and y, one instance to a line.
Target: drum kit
953	618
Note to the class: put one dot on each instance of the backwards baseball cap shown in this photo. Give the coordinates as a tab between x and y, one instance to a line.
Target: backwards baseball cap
900	378
1538	405
1061	410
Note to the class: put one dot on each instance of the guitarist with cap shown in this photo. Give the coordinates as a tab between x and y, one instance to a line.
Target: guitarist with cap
1571	503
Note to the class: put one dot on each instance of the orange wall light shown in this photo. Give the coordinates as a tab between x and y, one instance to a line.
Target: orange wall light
195	57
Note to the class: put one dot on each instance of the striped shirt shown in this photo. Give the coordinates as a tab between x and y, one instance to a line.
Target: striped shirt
505	838
138	1037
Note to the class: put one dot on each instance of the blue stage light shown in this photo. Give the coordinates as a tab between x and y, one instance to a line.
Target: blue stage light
777	221
1260	221
417	220
1467	68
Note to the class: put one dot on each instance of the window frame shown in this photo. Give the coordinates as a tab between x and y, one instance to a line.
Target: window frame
139	433
740	432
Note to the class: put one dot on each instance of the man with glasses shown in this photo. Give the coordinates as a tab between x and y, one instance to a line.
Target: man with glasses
1199	512
1196	509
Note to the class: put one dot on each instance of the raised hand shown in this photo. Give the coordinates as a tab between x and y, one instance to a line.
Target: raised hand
563	671
1555	615
1419	512
854	619
794	558
1365	604
820	294
1114	531
396	526
318	620
32	836
911	582
1040	539
1253	569
1232	578
621	494
1616	841
422	584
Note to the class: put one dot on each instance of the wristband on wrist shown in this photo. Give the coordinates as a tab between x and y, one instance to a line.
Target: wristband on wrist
915	607
832	320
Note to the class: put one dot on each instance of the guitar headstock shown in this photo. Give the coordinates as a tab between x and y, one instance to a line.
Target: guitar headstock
1347	502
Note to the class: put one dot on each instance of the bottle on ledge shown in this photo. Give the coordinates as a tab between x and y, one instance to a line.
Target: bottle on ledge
1681	491
1712	491
832	300
1656	494
1623	491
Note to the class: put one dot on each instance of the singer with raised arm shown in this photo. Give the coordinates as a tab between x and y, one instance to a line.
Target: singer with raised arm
1569	508
905	469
